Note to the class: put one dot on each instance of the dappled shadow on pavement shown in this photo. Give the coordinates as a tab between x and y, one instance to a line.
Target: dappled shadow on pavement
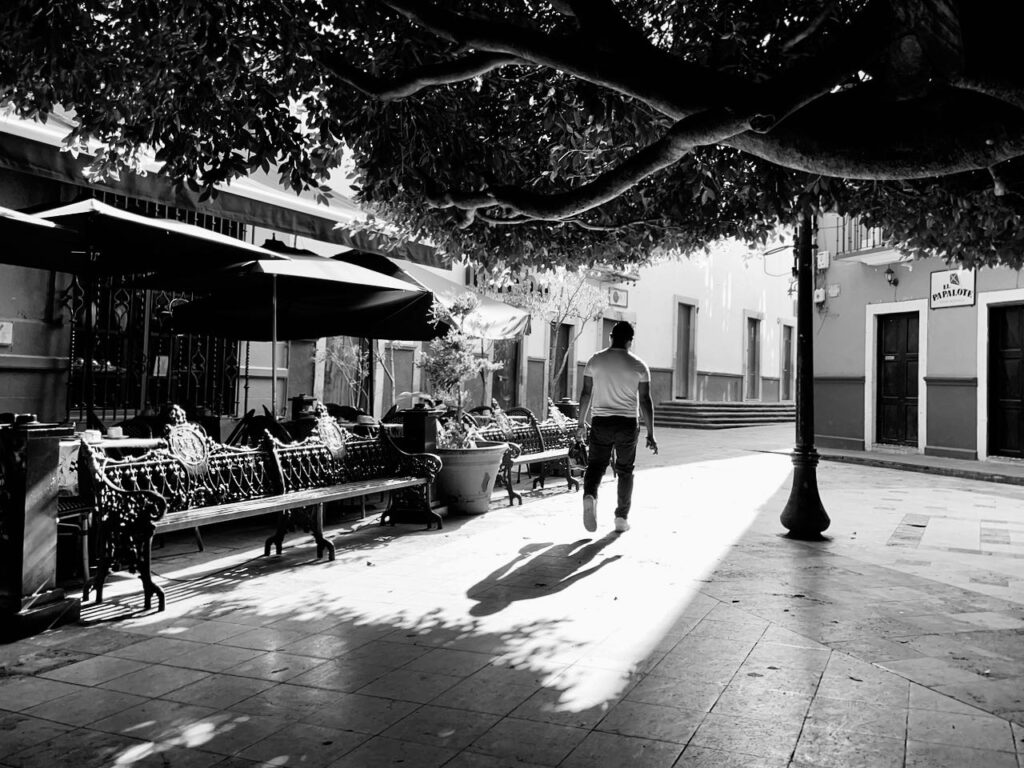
539	570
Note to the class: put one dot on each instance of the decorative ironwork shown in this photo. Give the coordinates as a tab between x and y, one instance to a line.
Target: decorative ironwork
136	360
191	472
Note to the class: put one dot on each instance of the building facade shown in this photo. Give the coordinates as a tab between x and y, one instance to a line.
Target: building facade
716	327
915	355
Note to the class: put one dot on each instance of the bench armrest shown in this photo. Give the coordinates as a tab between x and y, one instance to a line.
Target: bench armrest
425	465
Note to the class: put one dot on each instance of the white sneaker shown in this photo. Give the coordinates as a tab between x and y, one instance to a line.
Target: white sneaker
590	513
621	525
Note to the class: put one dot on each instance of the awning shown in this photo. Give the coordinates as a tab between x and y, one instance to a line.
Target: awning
492	319
34	148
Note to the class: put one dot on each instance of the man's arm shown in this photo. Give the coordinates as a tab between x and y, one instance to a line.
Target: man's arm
588	386
647	412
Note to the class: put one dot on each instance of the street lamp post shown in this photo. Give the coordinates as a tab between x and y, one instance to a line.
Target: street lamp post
804	516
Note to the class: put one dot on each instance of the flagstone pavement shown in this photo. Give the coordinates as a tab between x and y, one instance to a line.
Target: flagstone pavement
701	637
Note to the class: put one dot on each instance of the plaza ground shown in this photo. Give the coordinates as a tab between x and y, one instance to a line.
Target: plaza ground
701	637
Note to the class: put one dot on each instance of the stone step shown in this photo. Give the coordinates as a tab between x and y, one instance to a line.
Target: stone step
722	415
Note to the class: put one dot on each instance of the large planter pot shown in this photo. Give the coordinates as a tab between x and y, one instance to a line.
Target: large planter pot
467	476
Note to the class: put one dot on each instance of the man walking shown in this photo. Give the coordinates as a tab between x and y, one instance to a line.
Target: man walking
616	385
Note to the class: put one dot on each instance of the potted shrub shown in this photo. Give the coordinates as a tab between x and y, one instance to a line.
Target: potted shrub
470	465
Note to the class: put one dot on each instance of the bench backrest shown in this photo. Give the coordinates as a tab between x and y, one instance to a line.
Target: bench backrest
191	471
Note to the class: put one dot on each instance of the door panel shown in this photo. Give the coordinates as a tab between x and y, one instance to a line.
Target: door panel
787	362
684	336
505	381
897	367
752	387
1006	382
561	347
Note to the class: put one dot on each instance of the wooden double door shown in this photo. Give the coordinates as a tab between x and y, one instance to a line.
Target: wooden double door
897	366
1006	381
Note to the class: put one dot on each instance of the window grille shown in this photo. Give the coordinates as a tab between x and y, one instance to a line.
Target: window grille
138	363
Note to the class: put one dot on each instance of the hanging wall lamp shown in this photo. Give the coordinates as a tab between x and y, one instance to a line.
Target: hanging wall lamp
890	277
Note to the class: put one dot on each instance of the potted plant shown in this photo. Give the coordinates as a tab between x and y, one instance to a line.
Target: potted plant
470	465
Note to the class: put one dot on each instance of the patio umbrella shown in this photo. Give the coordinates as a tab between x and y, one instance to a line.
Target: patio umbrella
25	240
91	238
491	319
112	241
307	296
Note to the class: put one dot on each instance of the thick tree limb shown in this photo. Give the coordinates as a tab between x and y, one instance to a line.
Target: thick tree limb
700	130
997	87
443	73
951	132
627	74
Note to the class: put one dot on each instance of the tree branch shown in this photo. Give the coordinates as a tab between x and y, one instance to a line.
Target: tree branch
1006	91
399	87
586	59
810	29
700	130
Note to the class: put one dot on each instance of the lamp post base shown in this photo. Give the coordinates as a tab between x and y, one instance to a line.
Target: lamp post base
804	515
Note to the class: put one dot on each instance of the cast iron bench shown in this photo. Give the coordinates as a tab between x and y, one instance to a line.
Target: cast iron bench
194	481
542	443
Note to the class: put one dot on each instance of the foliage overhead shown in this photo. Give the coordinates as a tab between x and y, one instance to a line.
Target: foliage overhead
537	133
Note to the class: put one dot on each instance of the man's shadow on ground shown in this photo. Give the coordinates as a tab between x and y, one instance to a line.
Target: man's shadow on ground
553	567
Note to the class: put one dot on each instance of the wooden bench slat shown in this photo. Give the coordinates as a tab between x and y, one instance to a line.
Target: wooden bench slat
191	518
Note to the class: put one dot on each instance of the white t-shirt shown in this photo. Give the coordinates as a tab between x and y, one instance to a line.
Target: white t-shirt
616	373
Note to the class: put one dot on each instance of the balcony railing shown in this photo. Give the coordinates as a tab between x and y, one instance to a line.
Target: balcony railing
852	236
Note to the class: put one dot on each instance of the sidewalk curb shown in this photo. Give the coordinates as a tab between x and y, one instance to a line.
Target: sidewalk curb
966	474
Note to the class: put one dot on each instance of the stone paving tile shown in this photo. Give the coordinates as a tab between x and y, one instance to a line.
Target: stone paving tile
309	746
972	731
214	658
27	658
82	748
478	760
615	749
265	639
154	680
86	639
18	732
379	752
702	757
410	685
441	727
493	690
220	691
96	670
748	735
922	754
86	706
157	650
341	675
20	693
858	717
276	667
155	720
529	741
830	747
651	721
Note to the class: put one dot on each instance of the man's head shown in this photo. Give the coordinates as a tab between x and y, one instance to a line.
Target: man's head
622	334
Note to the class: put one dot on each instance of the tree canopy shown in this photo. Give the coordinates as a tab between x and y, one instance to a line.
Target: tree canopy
537	133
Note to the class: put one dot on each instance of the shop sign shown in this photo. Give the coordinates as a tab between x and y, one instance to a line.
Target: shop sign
952	288
617	297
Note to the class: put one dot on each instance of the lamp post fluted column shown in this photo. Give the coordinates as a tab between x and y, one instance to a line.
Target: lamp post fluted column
804	516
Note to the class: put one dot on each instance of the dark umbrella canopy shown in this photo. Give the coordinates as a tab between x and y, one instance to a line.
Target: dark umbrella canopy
109	240
31	241
306	313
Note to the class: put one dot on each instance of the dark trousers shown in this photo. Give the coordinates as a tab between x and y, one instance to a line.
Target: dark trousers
606	433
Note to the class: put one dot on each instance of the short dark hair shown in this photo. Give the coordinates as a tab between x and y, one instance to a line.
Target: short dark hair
622	331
